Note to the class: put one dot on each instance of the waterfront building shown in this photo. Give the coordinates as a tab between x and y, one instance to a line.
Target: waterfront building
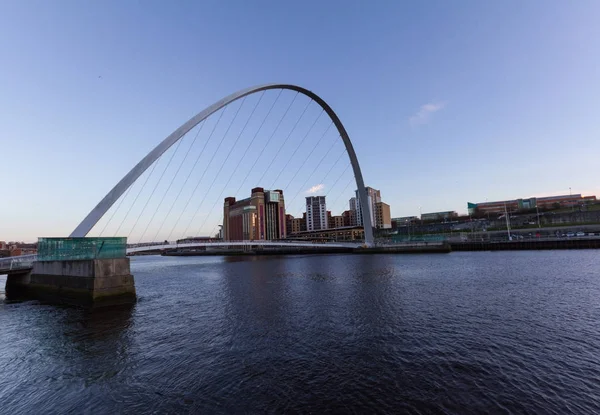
548	202
316	213
288	223
346	233
376	207
383	218
17	249
449	214
373	196
349	217
353	212
259	217
404	220
334	222
295	225
299	224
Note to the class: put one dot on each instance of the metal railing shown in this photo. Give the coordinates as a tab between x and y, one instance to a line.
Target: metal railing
62	249
315	244
12	263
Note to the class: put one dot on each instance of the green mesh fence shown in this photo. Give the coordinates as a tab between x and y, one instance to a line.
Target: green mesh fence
418	238
63	249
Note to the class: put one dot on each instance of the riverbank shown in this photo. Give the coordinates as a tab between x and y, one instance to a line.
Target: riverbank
527	245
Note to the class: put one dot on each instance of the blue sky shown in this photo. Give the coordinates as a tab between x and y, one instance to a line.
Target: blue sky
446	102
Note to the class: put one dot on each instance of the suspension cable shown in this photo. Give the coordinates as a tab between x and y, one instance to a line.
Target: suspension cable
156	186
288	137
345	188
337	180
170	184
238	165
212	158
299	145
223	165
262	151
335	141
332	167
190	173
137	196
308	157
185	182
115	211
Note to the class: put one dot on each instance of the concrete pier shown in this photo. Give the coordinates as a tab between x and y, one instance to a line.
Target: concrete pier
89	283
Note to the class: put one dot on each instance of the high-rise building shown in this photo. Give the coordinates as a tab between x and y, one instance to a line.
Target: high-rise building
373	197
334	222
349	217
259	217
288	223
354	211
316	213
353	203
383	218
548	202
337	222
295	225
383	221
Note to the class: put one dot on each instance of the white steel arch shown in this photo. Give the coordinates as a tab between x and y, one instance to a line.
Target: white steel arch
101	208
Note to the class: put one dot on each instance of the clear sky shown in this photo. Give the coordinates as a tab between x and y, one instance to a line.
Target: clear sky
445	101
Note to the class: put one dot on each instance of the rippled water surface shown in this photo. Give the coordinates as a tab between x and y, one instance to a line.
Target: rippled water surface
504	332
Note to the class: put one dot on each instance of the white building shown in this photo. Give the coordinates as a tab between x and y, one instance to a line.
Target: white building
373	197
316	213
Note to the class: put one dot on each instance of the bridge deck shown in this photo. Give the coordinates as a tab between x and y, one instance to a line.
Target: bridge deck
290	244
16	263
24	262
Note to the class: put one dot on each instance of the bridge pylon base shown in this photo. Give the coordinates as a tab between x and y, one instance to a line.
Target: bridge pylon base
87	283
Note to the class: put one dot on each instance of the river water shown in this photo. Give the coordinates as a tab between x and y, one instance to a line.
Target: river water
469	332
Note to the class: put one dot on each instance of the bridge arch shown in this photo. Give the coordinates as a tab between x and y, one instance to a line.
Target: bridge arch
105	204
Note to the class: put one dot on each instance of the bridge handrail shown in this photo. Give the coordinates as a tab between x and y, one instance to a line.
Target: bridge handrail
17	262
148	247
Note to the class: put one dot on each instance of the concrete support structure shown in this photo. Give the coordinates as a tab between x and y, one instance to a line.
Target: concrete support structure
88	283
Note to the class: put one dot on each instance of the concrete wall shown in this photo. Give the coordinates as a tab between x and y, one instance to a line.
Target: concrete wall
89	283
83	268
